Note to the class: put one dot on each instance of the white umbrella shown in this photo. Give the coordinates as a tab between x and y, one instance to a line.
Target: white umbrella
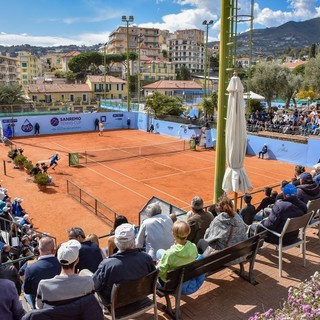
252	95
235	178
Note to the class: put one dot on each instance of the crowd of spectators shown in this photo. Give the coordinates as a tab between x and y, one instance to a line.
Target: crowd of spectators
288	122
71	273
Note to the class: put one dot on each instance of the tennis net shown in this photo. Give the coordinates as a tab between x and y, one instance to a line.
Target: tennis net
112	154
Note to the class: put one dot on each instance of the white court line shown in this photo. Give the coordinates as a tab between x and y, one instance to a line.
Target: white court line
128	177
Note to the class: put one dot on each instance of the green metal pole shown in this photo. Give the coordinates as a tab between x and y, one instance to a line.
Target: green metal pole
128	69
222	101
105	74
138	72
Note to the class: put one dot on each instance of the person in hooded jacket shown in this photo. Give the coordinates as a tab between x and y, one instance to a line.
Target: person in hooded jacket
308	189
227	228
289	207
179	254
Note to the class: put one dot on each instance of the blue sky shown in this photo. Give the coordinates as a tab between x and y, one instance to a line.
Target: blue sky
87	22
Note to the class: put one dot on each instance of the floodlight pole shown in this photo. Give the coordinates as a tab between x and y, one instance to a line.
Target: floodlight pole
139	40
104	73
205	67
130	19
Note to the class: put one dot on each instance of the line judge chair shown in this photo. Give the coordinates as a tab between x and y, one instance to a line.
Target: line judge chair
131	299
292	224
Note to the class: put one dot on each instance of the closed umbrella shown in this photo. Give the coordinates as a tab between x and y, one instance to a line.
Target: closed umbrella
235	178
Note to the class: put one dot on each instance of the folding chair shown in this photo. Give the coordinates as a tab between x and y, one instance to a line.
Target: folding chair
292	224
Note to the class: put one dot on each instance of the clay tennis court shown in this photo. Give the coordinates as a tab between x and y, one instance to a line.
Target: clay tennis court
124	185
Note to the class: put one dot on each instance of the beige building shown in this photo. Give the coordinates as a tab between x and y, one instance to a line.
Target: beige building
9	70
107	87
66	58
30	67
118	40
154	70
52	61
52	93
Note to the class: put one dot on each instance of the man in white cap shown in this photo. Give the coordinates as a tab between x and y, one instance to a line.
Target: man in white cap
67	286
129	263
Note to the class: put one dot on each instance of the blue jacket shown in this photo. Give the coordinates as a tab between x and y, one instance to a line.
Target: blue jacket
45	268
10	305
122	266
89	256
290	207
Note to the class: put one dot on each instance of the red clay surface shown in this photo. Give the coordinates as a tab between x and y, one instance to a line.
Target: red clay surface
124	185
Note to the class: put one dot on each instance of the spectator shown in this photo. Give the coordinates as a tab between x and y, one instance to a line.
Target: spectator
280	195
47	266
316	173
225	230
181	253
263	151
5	253
308	189
89	255
248	212
298	170
17	209
111	247
267	200
155	232
94	238
151	128
289	207
10	305
67	285
5	214
198	220
127	264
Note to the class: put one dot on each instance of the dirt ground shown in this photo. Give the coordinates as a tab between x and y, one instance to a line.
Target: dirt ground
124	185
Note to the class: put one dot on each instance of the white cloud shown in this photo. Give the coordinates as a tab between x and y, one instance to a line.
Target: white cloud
298	10
48	41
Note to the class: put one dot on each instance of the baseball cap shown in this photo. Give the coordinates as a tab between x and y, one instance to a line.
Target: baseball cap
306	177
197	203
125	232
5	209
68	252
289	190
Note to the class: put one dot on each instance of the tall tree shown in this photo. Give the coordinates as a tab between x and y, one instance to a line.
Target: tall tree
268	79
312	51
312	72
183	74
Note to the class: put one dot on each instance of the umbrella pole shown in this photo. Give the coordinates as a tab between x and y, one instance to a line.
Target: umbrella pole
235	200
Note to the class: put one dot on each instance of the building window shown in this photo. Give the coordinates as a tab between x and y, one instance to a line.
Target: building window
62	97
71	97
24	64
84	97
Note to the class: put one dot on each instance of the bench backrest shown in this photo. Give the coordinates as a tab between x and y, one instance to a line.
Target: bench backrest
125	293
214	262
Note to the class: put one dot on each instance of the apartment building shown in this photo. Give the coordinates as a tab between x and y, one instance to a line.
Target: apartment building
118	40
9	69
30	67
108	86
52	61
154	70
66	58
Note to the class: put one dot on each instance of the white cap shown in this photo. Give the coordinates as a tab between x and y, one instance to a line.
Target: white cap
125	232
68	252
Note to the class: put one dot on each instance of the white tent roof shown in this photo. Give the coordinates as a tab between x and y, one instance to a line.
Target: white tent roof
252	95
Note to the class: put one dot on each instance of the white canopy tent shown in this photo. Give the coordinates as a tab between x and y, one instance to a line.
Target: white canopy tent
252	95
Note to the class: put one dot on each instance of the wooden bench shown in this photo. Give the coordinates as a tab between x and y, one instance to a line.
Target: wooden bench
209	265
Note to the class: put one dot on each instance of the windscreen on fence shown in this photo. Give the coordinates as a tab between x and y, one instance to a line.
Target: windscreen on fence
166	208
111	154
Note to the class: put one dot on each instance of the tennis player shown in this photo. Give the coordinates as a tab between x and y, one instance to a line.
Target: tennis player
101	128
54	160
